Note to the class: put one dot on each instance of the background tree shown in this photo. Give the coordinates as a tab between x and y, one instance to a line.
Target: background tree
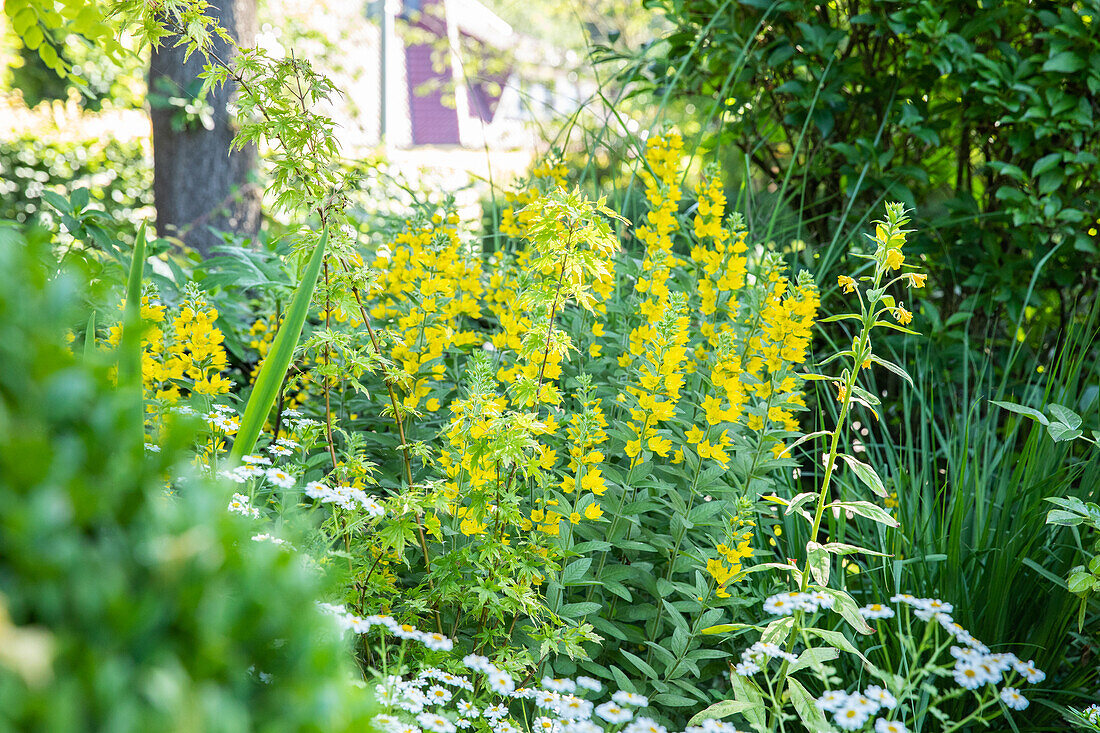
198	187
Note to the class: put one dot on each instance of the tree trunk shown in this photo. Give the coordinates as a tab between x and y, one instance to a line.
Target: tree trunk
199	184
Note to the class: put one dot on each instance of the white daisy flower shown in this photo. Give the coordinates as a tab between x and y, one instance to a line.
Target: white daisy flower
850	718
477	663
881	696
438	695
257	460
572	707
543	724
279	450
500	682
876	611
153	448
780	605
832	700
559	685
435	723
642	724
495	712
1013	699
746	669
613	714
882	725
437	642
629	698
279	477
969	676
1029	671
463	724
864	703
588	683
580	726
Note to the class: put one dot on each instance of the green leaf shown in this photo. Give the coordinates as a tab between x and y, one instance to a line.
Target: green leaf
1046	163
1064	518
846	606
1022	410
866	509
640	664
808	711
89	337
837	640
817	557
896	327
1079	582
1061	432
1065	62
279	356
575	570
1065	415
839	548
866	474
891	366
726	628
576	610
745	690
813	657
719	710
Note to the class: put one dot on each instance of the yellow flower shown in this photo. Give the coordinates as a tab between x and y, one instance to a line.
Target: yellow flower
660	446
916	279
894	258
594	482
902	316
575	518
593	511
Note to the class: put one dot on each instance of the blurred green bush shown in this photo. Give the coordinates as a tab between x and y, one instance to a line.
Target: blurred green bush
156	609
116	172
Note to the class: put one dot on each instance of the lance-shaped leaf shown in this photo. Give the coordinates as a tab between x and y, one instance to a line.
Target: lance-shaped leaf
866	474
1022	410
865	509
129	352
279	356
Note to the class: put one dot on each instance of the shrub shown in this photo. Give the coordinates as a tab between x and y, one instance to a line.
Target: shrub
160	611
982	115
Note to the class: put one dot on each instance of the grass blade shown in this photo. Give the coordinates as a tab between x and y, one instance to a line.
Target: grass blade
279	357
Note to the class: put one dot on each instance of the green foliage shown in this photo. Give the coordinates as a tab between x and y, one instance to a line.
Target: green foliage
114	171
156	610
43	25
982	115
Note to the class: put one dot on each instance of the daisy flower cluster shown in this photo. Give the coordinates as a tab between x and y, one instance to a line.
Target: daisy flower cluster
1087	719
975	666
348	621
258	466
241	504
852	711
346	497
992	677
785	604
488	699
